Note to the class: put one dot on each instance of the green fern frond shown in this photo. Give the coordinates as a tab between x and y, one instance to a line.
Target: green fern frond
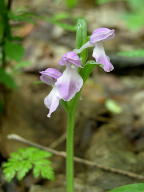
24	160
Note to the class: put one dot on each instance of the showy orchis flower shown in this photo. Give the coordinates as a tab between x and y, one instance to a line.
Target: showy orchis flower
96	39
70	81
65	85
50	76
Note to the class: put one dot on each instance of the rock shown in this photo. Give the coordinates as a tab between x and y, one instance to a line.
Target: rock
110	148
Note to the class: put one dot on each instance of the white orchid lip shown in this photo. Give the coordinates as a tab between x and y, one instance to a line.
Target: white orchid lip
52	101
69	83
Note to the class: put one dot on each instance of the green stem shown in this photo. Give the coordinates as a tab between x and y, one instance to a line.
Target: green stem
5	7
71	107
7	30
70	150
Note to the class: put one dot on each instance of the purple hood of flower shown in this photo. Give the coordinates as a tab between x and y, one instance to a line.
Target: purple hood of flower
101	34
70	58
50	75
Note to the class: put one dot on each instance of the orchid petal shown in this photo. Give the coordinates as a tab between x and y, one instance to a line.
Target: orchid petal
101	34
69	83
50	75
102	58
70	58
52	101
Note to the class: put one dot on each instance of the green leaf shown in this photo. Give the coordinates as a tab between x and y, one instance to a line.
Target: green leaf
134	53
22	16
61	24
47	173
134	20
43	169
21	162
81	33
14	51
71	3
7	79
37	171
61	16
22	64
136	4
81	38
139	187
112	106
25	167
9	174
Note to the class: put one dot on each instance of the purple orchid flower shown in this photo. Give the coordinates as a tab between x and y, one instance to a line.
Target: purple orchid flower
65	85
50	76
70	81
98	36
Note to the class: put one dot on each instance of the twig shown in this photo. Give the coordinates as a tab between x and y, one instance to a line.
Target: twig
59	141
77	159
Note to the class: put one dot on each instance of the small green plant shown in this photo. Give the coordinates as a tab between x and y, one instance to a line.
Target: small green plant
113	106
137	187
26	159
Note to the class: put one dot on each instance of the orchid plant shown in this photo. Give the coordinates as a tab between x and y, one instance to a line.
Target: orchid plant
67	85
